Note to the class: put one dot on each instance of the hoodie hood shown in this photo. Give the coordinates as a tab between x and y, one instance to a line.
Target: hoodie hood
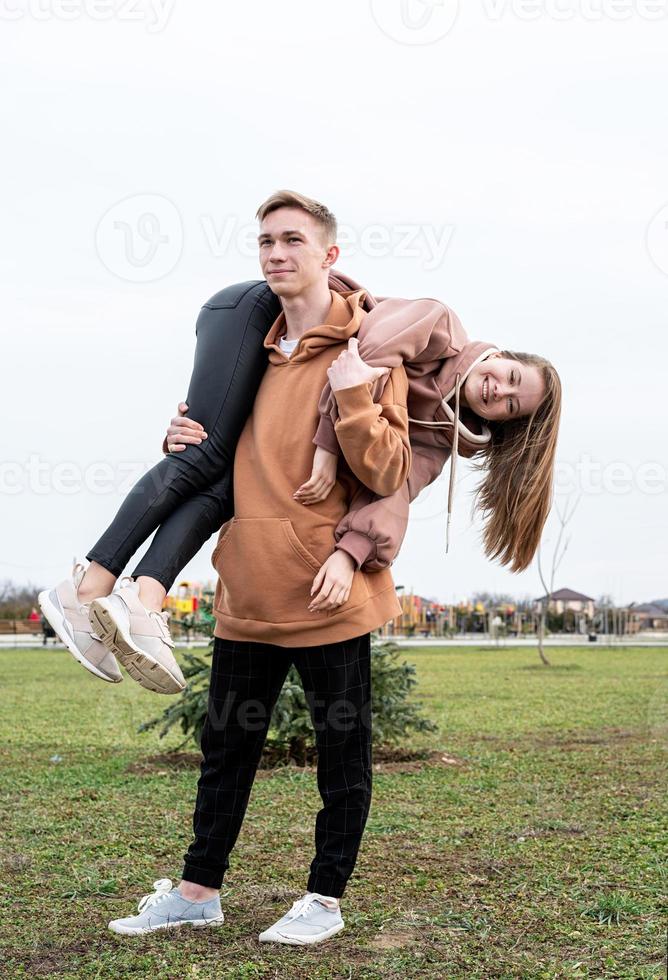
343	322
341	283
474	433
460	428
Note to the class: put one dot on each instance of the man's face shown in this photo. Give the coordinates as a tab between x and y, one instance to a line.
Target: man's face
294	252
500	388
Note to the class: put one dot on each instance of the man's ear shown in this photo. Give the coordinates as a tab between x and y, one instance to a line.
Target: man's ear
333	253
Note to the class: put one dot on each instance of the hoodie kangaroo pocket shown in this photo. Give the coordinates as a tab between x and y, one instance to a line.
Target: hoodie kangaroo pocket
266	572
223	535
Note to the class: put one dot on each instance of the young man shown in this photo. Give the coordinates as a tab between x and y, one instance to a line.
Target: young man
285	594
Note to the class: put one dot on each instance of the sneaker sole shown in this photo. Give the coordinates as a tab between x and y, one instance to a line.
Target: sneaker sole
276	937
141	666
142	930
55	618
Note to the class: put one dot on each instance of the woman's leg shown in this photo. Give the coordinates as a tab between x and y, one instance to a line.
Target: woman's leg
230	360
180	537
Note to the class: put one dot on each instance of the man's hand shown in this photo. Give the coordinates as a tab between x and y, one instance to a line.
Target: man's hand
333	582
322	479
349	369
182	432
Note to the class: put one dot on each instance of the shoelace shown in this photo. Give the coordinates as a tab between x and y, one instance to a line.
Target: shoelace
163	887
302	905
162	619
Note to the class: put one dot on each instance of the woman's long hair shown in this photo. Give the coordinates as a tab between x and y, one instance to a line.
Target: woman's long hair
515	495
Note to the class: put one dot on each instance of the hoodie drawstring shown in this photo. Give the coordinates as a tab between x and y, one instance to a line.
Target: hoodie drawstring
453	463
453	454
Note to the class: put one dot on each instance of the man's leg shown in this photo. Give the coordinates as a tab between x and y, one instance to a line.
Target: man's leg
246	679
337	684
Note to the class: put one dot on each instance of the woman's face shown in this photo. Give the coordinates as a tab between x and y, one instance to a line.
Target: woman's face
499	388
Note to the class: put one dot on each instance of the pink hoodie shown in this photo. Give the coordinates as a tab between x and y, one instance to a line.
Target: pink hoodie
429	339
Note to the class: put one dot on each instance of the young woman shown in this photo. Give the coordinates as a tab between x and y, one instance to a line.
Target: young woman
464	399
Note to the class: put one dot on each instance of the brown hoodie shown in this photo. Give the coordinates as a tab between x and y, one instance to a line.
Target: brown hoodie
429	339
268	554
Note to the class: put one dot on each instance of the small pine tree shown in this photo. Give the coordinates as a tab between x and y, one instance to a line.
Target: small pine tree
291	734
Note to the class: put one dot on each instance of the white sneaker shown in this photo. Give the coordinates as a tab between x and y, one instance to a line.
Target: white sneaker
311	919
139	638
166	908
69	620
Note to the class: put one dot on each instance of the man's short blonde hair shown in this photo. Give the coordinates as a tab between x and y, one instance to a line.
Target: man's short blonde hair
291	199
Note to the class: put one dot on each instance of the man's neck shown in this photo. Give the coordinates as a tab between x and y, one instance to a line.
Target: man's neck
306	310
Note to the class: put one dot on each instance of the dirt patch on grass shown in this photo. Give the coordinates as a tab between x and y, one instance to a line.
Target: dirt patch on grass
47	960
393	938
165	763
385	760
549	830
15	863
564	740
413	762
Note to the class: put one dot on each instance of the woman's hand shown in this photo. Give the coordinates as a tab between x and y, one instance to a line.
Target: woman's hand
322	479
349	369
182	432
334	581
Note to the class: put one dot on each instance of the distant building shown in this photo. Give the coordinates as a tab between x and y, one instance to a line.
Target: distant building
567	600
648	616
419	615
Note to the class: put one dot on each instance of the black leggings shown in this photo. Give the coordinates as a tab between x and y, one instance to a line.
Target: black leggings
189	495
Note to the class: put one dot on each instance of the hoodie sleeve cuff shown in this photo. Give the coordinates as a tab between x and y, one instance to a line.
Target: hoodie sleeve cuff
350	401
165	447
325	436
359	546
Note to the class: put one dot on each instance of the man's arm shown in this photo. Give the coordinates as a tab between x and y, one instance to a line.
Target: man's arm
373	436
182	432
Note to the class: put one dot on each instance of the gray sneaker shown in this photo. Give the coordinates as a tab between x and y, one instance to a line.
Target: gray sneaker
310	920
166	908
139	638
68	617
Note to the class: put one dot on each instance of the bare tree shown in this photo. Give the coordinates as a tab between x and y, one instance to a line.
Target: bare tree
560	549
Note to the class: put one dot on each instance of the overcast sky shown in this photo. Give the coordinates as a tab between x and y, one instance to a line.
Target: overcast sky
510	159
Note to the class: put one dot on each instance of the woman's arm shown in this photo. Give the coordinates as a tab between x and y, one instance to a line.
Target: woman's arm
373	436
374	528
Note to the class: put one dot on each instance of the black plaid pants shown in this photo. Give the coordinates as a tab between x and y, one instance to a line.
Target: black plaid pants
246	679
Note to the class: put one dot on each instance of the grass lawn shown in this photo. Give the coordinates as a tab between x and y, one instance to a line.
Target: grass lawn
530	845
